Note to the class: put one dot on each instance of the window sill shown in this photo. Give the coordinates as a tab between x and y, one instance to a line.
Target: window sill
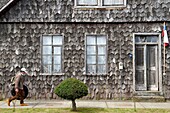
99	7
55	74
59	74
96	74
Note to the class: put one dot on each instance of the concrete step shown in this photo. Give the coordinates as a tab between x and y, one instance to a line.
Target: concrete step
148	93
149	99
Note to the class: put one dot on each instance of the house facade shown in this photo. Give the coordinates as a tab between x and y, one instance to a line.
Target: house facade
114	46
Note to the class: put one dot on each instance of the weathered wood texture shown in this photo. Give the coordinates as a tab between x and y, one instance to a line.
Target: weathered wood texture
64	11
20	46
3	2
20	43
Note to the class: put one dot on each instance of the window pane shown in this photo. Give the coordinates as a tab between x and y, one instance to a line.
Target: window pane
57	40
47	50
101	69
140	39
81	2
57	68
101	50
113	2
91	68
151	56
57	50
87	2
152	39
118	1
47	68
91	50
101	59
47	59
137	39
139	53
101	40
57	59
47	40
108	2
91	40
91	59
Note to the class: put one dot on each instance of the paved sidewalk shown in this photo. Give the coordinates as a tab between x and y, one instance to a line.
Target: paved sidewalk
84	103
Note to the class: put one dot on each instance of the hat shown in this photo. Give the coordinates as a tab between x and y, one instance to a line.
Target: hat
24	70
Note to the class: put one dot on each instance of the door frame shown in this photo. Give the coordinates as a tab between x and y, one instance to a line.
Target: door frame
159	61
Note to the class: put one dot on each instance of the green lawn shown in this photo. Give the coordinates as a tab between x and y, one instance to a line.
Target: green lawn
81	110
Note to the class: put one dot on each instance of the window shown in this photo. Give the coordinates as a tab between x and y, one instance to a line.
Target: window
52	53
100	3
96	54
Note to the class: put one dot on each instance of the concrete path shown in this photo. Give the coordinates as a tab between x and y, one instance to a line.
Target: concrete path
83	103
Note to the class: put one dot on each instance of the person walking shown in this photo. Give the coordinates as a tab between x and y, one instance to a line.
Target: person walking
19	90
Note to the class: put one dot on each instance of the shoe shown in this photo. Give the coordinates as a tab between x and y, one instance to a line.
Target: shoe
8	102
23	104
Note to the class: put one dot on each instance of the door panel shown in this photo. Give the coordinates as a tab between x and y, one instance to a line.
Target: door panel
152	74
146	72
140	78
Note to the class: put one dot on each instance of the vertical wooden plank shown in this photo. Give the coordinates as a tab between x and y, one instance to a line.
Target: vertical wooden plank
145	67
160	62
134	71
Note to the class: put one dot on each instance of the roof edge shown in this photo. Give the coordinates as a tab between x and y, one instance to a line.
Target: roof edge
7	5
124	22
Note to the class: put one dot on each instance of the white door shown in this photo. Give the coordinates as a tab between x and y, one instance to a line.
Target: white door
146	65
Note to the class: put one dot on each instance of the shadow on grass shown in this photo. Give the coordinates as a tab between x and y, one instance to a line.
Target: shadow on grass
54	110
90	110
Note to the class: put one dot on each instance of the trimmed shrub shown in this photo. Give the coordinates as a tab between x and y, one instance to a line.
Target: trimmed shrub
71	89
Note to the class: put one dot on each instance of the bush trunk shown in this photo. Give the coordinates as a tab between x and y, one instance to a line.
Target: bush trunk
73	105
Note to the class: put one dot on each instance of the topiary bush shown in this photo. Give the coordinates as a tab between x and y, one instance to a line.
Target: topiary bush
71	89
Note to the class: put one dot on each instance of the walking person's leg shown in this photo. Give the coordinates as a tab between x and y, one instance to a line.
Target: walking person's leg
13	98
22	98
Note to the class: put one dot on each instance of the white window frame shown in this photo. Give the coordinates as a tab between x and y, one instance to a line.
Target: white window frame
62	53
100	5
96	55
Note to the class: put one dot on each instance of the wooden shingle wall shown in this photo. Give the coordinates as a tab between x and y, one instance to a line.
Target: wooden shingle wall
64	11
3	2
20	46
23	25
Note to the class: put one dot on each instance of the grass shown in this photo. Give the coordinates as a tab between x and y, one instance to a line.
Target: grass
82	110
